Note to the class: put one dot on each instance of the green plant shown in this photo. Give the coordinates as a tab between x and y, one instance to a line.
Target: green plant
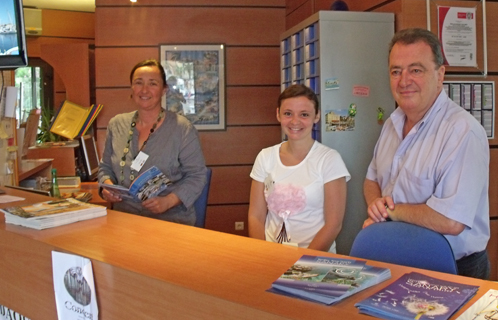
45	135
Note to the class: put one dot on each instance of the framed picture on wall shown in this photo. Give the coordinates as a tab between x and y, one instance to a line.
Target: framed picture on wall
196	79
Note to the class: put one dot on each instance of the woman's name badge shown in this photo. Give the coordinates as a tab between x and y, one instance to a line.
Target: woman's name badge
139	161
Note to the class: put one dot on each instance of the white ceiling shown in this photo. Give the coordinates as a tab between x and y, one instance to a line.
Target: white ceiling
71	5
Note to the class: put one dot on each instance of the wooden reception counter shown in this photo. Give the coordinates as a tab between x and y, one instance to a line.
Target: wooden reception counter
149	269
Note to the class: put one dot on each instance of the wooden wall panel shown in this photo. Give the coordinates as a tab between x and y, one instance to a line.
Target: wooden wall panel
250	29
235	179
492	34
100	135
59	27
34	44
237	145
299	14
113	65
59	98
195	3
293	5
393	7
68	24
224	218
242	68
365	5
413	14
323	5
493	183
252	26
245	105
252	105
115	100
72	64
232	148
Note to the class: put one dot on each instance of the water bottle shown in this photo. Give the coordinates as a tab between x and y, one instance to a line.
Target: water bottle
54	190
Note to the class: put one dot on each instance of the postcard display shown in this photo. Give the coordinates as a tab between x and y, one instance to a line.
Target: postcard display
342	56
478	98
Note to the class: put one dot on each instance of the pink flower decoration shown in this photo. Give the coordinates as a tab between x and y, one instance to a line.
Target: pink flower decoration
286	200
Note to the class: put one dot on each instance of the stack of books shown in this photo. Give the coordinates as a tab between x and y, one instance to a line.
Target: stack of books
73	121
328	280
51	214
417	296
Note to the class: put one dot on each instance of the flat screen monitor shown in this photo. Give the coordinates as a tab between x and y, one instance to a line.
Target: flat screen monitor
12	35
91	157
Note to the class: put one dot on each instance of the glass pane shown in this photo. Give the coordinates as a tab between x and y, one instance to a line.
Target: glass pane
28	80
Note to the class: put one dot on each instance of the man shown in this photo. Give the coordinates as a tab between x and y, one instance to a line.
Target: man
431	162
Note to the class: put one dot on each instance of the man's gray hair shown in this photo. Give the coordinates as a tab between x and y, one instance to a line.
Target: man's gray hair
414	35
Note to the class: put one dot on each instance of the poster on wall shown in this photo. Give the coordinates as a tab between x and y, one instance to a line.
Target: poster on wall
196	83
457	33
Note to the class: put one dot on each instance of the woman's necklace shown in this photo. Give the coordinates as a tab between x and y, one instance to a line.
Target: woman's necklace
122	163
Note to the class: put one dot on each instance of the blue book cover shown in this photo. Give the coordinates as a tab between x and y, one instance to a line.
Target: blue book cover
322	279
417	296
147	185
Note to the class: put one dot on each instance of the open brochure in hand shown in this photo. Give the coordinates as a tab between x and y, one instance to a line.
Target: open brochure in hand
52	213
485	308
417	296
147	185
328	280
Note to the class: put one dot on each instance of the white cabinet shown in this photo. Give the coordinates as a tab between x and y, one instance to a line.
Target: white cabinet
343	57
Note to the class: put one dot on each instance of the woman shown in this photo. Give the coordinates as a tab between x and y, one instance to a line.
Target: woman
161	138
298	192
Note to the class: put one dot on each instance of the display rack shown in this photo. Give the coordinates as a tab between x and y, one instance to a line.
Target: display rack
478	98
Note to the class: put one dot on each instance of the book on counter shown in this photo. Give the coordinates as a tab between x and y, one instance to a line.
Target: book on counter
417	296
73	121
485	308
53	213
327	279
147	185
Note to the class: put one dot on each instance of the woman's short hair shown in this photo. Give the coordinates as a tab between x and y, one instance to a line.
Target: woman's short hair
299	90
150	63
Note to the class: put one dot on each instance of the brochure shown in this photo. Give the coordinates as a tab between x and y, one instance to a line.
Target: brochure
74	287
147	185
485	308
328	280
417	296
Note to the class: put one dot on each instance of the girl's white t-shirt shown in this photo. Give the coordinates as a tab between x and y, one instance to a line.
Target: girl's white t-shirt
298	191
